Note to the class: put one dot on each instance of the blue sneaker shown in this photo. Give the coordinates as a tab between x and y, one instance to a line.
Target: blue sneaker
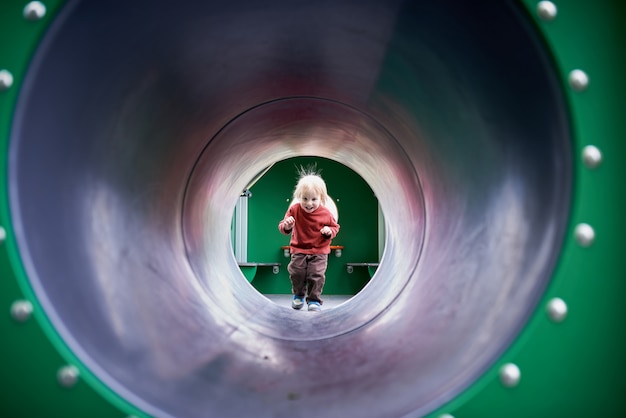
298	302
315	306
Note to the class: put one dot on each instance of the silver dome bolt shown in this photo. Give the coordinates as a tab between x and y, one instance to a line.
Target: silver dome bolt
546	10
68	376
585	235
557	309
21	310
592	157
510	375
578	80
34	10
3	234
6	80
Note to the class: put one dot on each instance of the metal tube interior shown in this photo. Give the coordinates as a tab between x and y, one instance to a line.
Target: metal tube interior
138	125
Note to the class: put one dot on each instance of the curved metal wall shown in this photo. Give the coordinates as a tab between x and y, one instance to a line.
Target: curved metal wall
489	134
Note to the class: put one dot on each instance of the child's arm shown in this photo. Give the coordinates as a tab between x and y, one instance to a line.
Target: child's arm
286	225
330	230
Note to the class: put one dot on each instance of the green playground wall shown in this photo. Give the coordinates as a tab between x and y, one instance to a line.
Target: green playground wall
358	217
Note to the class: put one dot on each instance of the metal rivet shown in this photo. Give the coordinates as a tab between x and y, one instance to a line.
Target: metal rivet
34	10
557	309
446	416
546	10
510	375
3	234
6	80
21	310
68	376
579	80
585	235
592	157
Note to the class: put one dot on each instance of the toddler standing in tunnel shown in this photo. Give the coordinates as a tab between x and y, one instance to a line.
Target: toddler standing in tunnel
312	227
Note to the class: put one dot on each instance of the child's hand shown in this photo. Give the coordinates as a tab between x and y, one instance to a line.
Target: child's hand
326	231
289	222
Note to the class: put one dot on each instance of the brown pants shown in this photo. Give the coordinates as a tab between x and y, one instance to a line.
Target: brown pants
307	273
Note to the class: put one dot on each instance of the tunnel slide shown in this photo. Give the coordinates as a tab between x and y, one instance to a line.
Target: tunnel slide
489	132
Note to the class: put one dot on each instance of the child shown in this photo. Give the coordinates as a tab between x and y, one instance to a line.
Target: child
312	226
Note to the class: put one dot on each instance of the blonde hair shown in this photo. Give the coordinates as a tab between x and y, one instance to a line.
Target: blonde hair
310	181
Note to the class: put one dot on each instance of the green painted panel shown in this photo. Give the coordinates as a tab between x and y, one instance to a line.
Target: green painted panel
249	272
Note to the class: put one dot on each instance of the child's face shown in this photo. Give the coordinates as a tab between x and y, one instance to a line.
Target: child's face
310	201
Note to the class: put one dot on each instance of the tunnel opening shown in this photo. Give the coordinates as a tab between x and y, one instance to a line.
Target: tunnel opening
285	130
132	139
263	253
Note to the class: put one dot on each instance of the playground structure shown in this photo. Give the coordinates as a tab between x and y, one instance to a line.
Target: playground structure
362	229
488	133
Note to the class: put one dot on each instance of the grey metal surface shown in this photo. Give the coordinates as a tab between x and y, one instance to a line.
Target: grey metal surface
139	124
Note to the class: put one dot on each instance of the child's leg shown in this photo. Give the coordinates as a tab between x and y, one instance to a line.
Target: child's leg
316	276
297	274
